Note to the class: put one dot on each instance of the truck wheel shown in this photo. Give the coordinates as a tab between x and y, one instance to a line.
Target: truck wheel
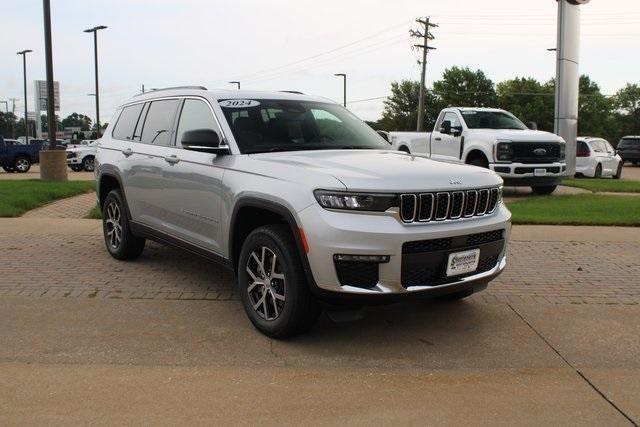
120	242
544	190
272	283
88	163
618	174
22	165
598	173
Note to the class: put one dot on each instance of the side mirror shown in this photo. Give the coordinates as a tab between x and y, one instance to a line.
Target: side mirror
533	126
445	127
456	130
203	140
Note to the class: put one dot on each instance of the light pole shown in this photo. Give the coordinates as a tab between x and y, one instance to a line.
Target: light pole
235	83
95	30
24	73
344	87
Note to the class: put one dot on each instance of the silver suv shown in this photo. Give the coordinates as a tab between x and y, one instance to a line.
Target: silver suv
301	199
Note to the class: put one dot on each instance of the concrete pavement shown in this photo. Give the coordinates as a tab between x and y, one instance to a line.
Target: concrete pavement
193	362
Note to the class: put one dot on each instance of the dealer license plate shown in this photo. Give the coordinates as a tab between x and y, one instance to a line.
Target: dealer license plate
539	172
463	262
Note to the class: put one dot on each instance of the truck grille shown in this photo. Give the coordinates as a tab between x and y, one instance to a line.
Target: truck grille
536	152
448	205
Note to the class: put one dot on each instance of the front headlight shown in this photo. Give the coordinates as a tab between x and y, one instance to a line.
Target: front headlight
355	201
563	151
504	151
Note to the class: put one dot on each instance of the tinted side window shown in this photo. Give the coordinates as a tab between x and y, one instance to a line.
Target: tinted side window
127	122
195	114
159	122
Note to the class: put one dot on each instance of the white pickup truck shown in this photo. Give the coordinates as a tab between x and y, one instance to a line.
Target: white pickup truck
494	139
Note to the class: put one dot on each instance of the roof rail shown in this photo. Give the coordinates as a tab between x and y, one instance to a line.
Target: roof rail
172	88
293	91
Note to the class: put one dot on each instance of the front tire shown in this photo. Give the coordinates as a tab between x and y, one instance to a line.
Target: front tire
544	190
119	240
272	283
618	174
88	163
22	165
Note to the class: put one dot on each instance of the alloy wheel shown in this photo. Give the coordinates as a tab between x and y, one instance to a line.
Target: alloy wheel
89	164
22	165
267	288
113	221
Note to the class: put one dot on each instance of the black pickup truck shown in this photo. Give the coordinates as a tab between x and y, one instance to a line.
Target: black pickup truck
15	157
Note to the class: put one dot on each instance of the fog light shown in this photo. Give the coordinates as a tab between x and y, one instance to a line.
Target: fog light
362	258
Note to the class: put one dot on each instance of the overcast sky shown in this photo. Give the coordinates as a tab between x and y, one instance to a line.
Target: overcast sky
299	45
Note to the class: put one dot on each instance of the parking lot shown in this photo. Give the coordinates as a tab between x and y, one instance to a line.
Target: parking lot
165	336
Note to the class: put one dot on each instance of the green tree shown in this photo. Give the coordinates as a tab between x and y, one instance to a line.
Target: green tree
77	120
401	107
45	124
528	99
8	124
595	110
627	116
462	87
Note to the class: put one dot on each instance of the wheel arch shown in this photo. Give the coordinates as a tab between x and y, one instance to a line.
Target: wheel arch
250	213
476	153
108	181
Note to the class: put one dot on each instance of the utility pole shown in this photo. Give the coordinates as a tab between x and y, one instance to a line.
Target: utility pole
95	30
24	75
423	33
142	88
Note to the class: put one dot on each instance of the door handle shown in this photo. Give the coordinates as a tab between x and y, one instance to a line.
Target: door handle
172	159
127	152
438	139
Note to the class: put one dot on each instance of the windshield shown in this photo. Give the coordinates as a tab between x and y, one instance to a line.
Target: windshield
267	125
477	119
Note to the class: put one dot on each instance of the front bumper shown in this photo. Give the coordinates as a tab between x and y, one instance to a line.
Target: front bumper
74	161
525	174
329	233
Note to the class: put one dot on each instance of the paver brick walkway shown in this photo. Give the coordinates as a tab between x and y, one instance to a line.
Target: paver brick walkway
72	207
77	265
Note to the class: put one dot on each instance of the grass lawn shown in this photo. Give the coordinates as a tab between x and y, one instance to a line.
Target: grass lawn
95	213
604	184
19	196
579	209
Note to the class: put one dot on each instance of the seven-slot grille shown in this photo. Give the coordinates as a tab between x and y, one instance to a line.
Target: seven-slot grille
446	205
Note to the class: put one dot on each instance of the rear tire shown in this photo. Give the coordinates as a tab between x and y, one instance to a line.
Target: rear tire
118	239
22	165
543	190
273	287
598	172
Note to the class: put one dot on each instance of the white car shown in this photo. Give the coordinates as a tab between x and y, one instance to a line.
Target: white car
596	158
82	157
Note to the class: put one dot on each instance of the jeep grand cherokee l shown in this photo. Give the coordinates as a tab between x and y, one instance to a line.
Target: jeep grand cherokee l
301	199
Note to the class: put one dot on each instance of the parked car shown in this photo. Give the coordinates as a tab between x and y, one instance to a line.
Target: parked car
18	157
82	157
299	198
629	149
493	139
596	158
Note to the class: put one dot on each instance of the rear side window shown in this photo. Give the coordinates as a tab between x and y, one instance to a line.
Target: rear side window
583	147
127	122
629	142
158	124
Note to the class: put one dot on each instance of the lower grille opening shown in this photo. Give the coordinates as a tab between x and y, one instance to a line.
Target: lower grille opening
358	274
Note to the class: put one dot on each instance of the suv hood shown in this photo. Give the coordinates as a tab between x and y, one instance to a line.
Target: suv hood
385	170
515	135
